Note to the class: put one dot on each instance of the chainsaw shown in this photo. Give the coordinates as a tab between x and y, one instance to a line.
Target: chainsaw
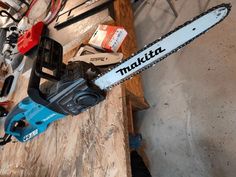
72	88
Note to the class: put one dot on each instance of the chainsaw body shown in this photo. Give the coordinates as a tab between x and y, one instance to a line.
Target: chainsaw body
66	90
28	119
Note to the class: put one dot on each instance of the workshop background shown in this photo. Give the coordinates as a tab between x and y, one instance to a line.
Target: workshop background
190	128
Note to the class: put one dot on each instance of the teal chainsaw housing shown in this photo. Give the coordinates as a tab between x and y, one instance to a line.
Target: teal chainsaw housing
68	91
28	119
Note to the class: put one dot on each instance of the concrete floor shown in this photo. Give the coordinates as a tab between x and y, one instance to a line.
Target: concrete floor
190	127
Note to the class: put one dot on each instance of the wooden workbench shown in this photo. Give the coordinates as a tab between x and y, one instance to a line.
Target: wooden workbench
94	143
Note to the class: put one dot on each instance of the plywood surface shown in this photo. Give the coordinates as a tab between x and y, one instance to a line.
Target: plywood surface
91	144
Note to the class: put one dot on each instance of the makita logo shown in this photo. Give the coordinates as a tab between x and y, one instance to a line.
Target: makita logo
140	60
98	59
49	117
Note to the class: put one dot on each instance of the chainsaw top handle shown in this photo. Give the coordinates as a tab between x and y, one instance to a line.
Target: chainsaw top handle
47	65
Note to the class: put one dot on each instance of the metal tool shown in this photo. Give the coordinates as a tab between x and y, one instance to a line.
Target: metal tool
4	13
74	88
90	55
18	7
100	59
11	62
80	11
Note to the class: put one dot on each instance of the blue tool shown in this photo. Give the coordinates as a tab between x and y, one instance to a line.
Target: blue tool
68	91
29	119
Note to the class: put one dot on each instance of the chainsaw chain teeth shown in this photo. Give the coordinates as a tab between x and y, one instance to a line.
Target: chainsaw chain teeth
228	6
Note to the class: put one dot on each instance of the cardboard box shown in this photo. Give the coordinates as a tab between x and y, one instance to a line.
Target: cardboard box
108	37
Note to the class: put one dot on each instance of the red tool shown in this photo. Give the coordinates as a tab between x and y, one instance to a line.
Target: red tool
30	38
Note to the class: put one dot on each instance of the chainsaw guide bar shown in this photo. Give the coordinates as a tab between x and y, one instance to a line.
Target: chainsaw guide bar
163	47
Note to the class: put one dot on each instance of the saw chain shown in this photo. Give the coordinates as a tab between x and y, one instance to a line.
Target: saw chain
127	69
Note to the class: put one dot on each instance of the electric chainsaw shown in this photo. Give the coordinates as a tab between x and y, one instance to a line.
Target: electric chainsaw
73	88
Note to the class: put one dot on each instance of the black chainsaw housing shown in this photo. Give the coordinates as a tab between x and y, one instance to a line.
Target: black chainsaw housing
68	88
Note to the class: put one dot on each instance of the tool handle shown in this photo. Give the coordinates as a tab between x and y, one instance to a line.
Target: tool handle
48	65
4	13
28	119
16	123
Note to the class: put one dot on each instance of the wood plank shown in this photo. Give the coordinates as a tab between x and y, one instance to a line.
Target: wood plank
124	17
130	115
91	144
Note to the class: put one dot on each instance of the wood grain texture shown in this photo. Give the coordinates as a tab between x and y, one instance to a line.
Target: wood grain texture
91	144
